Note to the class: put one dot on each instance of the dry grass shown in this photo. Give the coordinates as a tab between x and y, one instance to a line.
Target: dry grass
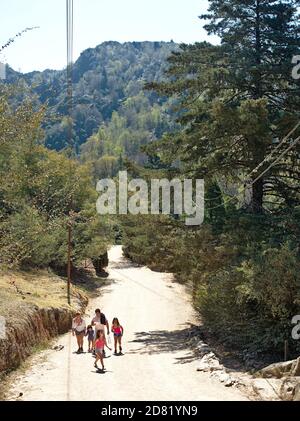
42	288
38	287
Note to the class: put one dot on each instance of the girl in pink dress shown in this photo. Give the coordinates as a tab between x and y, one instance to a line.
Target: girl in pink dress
118	332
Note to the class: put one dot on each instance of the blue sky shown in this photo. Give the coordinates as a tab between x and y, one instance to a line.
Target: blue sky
95	21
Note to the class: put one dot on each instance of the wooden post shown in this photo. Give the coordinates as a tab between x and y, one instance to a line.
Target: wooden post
69	24
69	261
286	350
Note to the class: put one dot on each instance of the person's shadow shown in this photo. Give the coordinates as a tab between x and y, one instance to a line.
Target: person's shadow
100	371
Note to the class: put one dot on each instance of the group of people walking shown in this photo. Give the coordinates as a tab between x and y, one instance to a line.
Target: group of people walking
95	334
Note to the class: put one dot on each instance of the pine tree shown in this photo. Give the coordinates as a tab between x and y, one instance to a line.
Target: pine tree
238	99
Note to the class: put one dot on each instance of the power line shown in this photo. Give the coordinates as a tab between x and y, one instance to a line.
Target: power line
11	40
276	149
70	30
294	143
247	181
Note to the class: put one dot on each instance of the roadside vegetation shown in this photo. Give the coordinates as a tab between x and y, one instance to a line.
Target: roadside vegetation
219	112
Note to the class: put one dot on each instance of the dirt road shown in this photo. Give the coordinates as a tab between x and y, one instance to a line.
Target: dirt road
157	364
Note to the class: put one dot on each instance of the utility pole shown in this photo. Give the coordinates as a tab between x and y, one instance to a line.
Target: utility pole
286	350
69	24
69	260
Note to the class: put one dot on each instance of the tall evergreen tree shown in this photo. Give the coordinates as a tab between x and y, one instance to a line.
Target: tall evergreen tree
238	99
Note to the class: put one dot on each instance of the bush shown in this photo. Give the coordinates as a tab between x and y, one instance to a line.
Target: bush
28	239
251	306
245	280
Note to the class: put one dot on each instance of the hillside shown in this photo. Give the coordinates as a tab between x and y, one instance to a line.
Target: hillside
103	79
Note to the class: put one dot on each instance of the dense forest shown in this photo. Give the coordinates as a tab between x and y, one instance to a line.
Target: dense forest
218	112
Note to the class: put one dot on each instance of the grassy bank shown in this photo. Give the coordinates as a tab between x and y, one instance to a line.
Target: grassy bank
37	287
34	306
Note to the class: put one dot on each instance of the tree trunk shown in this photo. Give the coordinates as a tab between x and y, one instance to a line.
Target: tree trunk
100	263
257	196
258	51
259	152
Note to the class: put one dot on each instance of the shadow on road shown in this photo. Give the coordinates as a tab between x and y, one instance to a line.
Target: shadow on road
99	371
87	280
123	264
161	341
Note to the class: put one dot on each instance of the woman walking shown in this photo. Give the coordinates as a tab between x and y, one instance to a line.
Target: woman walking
79	329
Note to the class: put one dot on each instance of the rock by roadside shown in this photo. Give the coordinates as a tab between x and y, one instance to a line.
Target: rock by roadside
282	369
287	377
32	326
279	381
257	389
210	363
290	389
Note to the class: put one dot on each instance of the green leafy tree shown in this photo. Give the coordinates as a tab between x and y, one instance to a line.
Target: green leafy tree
39	188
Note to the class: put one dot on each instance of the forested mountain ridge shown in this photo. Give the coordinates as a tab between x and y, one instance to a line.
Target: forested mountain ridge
103	78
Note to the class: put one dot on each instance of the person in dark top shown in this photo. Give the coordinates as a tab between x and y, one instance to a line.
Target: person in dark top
99	322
